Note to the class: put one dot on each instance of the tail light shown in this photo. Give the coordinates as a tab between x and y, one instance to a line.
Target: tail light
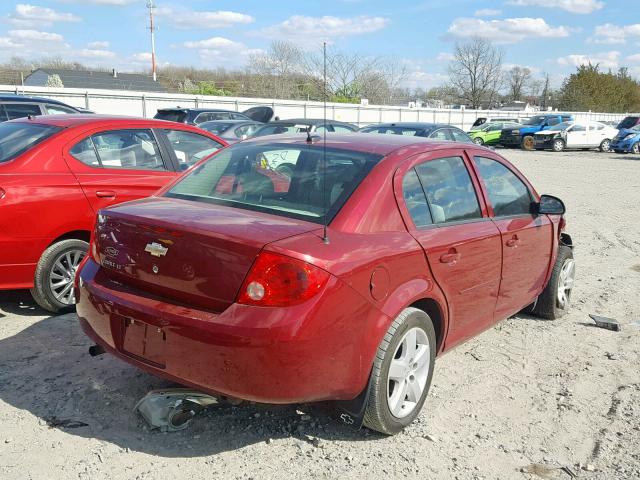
278	281
2	193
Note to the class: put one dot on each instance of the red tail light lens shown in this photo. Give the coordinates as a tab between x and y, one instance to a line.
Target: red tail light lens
279	281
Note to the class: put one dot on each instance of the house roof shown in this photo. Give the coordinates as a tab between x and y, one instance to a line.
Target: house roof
100	80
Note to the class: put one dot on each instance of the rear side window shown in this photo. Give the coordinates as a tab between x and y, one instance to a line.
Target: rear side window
17	138
441	134
415	200
190	147
449	190
20	110
59	109
250	176
507	193
460	136
553	121
129	149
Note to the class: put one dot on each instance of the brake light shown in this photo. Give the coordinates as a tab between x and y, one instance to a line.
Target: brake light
278	281
562	225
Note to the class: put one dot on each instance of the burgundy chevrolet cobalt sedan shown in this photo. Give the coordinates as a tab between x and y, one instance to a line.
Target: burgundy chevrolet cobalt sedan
225	283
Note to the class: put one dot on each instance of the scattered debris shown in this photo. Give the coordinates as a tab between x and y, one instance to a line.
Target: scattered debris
54	422
541	470
611	356
475	356
173	409
605	322
569	472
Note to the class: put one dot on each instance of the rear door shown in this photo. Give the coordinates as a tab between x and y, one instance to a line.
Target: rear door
116	166
462	245
526	237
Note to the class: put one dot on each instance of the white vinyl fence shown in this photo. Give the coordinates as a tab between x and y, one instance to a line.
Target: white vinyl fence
141	104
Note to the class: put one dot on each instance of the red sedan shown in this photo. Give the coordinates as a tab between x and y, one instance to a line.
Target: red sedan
239	292
57	171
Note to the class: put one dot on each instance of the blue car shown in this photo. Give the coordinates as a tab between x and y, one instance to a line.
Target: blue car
627	140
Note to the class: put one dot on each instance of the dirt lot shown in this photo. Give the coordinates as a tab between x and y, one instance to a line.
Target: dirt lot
520	401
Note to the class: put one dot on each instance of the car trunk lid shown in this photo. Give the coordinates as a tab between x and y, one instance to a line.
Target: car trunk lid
188	252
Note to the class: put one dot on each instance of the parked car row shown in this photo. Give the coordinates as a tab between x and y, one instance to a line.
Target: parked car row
558	132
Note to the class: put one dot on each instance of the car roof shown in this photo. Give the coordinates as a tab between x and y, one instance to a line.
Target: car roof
306	121
72	120
231	121
379	144
10	97
415	125
188	109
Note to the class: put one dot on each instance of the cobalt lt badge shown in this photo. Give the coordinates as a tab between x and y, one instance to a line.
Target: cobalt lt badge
155	269
156	249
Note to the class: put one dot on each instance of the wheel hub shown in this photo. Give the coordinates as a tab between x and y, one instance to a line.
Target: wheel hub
565	282
408	373
63	274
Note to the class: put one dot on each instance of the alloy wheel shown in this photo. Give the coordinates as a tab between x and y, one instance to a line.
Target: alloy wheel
605	146
565	282
408	372
63	274
558	145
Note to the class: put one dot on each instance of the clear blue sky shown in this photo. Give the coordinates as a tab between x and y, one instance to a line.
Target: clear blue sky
546	35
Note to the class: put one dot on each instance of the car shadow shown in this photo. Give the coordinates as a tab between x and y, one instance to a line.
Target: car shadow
19	302
46	370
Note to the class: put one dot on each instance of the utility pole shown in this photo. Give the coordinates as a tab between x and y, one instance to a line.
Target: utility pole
151	6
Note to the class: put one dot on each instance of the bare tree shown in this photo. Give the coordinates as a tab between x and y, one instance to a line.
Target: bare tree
353	76
476	71
518	78
279	65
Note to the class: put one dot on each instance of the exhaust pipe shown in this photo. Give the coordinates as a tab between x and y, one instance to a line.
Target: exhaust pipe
96	350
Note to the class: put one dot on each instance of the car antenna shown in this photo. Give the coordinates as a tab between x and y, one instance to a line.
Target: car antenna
325	237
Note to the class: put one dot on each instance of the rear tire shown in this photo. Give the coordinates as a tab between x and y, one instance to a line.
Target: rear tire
55	274
527	143
397	394
554	301
635	148
605	145
478	141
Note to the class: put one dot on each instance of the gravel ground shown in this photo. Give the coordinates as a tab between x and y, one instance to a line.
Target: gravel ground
523	400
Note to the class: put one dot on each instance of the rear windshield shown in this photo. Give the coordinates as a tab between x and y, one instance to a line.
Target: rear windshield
283	179
216	127
171	115
17	138
409	131
279	128
627	122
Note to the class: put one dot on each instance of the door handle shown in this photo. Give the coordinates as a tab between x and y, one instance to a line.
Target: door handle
450	258
513	241
106	194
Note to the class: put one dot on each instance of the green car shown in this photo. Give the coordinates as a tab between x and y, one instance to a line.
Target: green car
489	133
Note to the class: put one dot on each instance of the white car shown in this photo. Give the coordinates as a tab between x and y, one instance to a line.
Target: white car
584	135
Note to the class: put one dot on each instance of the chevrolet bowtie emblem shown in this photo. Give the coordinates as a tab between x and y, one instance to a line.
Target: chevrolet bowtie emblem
156	249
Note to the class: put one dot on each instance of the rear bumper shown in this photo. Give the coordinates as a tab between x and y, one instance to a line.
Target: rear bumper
309	352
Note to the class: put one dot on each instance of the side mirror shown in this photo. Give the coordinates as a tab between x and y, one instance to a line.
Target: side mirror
550	205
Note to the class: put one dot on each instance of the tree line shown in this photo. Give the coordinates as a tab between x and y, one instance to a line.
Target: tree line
477	78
